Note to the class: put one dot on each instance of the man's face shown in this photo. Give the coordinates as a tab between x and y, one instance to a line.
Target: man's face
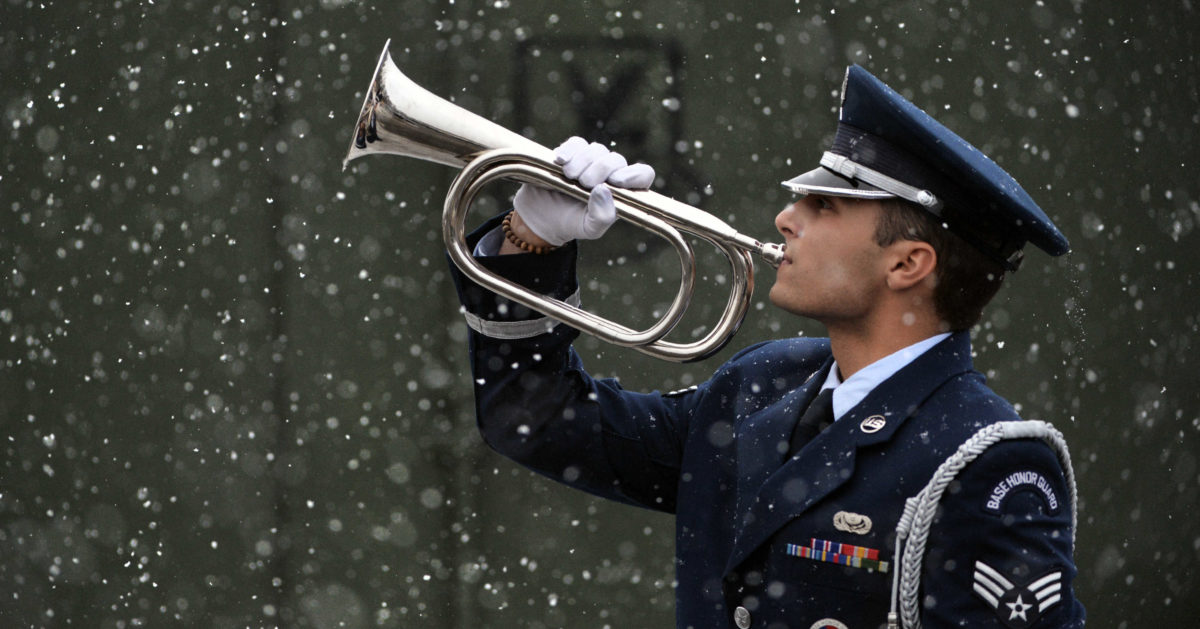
833	270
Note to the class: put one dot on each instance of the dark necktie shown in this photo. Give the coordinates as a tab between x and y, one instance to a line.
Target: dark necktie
817	417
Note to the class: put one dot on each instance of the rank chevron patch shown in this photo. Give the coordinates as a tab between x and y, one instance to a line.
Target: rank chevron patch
1017	606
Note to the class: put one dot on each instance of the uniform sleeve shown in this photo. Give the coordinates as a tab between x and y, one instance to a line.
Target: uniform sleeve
1000	548
536	404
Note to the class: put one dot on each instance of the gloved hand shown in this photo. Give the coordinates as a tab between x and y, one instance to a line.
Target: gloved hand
558	218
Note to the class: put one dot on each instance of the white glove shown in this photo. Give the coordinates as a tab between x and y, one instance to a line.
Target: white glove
558	218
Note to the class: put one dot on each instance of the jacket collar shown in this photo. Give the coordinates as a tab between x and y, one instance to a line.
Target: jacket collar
773	489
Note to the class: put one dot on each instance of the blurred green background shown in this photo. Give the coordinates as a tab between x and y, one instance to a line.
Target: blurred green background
233	379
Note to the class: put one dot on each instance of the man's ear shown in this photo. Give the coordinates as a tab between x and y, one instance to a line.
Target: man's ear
912	262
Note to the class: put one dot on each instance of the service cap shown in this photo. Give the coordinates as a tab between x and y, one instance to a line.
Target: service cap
887	147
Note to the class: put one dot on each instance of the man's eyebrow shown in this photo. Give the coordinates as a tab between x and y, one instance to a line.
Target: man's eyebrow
833	201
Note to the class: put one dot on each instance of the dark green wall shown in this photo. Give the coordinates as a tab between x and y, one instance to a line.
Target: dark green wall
233	386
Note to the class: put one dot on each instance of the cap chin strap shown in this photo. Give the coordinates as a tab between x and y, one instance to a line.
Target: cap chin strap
981	239
845	167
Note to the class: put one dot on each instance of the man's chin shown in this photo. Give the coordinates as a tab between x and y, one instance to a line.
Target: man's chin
780	300
774	298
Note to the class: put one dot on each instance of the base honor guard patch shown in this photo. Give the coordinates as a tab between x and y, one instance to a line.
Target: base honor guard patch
1017	606
1026	480
841	554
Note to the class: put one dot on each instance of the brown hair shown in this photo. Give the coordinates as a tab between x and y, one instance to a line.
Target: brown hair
966	278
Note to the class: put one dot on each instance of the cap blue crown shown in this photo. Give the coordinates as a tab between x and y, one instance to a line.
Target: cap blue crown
887	147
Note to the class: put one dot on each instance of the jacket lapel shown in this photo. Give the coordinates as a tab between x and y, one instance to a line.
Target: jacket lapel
763	438
773	491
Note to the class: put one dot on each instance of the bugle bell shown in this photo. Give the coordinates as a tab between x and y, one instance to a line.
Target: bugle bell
399	117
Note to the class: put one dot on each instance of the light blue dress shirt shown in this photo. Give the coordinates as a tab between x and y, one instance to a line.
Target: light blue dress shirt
846	395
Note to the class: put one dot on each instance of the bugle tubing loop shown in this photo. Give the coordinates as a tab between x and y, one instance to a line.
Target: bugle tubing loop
509	165
399	117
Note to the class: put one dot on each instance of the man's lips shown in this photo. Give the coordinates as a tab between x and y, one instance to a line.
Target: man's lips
787	248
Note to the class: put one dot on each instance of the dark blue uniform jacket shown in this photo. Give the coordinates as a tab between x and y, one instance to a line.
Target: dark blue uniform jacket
804	541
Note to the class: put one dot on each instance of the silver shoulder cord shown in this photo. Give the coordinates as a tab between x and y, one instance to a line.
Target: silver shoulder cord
913	530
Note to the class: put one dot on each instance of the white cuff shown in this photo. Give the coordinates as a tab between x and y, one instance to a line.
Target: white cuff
511	330
490	244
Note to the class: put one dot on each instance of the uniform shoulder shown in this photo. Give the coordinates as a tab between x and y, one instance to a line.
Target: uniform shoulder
761	373
1034	463
949	416
1001	544
964	405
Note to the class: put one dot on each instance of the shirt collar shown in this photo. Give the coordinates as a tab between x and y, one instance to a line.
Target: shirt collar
847	395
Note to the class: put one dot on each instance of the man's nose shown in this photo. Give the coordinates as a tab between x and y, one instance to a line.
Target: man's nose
785	220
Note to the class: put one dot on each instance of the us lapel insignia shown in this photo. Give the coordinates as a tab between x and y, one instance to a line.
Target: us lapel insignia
856	523
872	424
1017	606
829	623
